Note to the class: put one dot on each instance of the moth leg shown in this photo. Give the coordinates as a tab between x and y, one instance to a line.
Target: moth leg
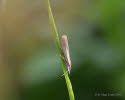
64	74
62	57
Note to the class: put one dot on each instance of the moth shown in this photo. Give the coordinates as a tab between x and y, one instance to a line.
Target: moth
66	54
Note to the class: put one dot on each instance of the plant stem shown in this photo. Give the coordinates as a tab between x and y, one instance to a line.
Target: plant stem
56	38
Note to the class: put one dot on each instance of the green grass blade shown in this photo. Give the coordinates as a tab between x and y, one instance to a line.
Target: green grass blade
56	38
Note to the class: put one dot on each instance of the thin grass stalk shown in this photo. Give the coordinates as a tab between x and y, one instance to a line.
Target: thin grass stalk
58	45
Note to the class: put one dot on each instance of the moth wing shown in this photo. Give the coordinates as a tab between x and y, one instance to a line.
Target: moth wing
65	48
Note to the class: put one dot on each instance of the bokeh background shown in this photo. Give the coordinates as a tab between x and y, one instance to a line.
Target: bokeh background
30	68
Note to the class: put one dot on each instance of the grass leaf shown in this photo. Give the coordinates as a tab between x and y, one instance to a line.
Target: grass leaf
58	45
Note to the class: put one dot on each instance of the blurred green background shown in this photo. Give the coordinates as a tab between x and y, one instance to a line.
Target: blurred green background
30	68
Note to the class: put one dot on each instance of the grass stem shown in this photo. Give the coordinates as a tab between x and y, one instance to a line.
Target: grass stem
58	45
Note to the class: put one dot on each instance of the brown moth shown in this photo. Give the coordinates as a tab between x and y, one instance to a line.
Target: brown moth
65	49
